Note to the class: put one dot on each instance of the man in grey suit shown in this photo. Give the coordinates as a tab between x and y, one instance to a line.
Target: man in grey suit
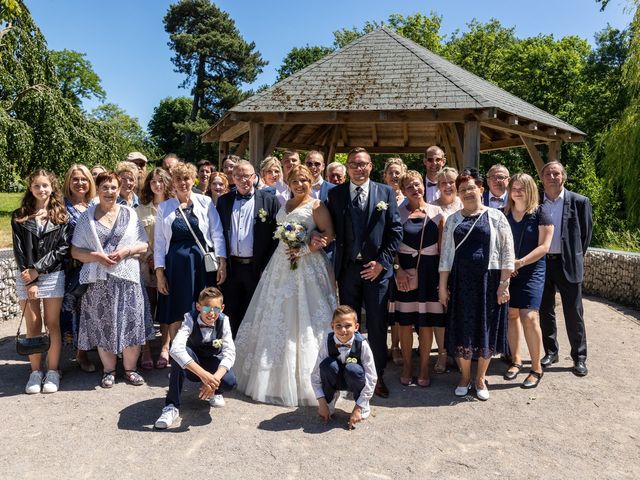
573	225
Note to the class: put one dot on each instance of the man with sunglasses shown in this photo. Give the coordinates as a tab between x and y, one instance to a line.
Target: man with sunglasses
434	160
314	161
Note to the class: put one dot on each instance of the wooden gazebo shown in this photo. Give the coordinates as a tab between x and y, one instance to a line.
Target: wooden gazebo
389	95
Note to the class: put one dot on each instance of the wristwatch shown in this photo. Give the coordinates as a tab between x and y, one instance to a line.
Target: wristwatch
505	282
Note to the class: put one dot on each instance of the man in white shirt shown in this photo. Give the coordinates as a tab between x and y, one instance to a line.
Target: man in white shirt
498	179
434	160
314	161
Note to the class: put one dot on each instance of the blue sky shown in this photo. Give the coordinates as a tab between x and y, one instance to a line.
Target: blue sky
127	45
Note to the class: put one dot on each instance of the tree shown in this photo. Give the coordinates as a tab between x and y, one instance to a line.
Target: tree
209	50
77	79
299	58
163	126
130	135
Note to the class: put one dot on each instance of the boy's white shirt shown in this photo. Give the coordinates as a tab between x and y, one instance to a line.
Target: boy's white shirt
366	359
179	347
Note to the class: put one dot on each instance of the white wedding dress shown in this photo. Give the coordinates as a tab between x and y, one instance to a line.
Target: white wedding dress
290	312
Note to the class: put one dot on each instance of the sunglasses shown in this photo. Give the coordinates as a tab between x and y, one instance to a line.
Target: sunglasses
208	309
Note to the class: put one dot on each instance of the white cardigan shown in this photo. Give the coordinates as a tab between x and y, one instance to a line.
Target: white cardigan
501	254
208	222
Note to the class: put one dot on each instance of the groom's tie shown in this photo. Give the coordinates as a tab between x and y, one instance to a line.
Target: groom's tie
358	200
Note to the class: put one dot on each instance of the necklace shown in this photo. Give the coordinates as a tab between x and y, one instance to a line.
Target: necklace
468	213
109	215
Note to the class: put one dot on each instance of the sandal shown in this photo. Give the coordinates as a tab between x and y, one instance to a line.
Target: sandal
441	366
108	379
406	381
424	382
163	361
511	374
133	377
396	355
532	383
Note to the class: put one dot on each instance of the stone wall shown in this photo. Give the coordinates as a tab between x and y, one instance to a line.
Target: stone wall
609	274
613	275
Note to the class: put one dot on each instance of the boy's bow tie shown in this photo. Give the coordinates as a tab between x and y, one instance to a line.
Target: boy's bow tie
347	345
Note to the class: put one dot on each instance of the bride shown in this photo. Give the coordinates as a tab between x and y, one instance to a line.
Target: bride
290	312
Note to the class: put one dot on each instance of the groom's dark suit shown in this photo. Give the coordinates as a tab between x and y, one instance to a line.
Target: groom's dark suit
244	273
372	233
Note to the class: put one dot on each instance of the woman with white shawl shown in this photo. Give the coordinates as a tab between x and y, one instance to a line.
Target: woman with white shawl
114	316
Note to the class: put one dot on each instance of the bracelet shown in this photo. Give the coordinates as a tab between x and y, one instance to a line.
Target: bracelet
505	282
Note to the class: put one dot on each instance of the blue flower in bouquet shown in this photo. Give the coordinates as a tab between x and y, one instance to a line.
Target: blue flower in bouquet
293	235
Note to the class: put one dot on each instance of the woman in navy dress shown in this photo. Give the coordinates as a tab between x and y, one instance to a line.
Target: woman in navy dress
532	230
476	263
418	308
178	259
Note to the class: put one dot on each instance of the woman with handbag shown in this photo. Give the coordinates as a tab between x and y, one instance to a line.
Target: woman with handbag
40	245
114	316
189	241
415	299
79	191
532	230
476	262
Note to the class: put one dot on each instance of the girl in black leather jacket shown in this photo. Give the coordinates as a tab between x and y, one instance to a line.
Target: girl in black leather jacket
40	244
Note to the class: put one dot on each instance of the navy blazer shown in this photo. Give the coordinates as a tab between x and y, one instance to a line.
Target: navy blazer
383	232
324	191
575	234
263	242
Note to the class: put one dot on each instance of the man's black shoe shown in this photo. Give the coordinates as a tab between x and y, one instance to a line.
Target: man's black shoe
580	368
549	359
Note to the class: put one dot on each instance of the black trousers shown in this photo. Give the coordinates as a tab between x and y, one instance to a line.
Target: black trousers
571	296
238	289
373	296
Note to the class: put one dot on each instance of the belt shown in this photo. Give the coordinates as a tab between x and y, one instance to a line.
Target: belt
554	256
242	260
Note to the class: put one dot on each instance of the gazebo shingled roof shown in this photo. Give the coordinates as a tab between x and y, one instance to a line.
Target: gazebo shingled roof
389	95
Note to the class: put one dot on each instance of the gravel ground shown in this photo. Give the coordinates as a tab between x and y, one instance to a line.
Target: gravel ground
567	428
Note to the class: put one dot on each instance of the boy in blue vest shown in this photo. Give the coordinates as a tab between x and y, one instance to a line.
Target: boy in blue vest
203	351
345	362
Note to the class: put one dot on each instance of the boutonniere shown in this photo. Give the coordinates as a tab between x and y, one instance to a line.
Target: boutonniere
262	214
351	360
217	343
381	206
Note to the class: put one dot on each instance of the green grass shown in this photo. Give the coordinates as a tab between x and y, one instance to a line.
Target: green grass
8	203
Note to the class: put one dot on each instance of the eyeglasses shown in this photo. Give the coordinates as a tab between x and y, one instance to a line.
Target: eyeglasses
359	165
244	178
208	309
434	159
470	188
500	178
313	164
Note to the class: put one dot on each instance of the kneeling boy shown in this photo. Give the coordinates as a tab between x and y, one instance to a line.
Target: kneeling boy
345	362
203	350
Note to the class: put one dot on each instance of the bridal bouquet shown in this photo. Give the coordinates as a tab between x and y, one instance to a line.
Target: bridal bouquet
293	235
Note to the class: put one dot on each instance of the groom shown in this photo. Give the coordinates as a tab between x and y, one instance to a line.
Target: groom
368	232
248	218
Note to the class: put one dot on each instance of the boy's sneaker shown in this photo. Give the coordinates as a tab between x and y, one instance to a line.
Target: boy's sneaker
51	382
35	382
332	403
217	401
365	412
169	415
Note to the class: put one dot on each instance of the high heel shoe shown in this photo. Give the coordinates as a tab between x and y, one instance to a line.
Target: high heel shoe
424	382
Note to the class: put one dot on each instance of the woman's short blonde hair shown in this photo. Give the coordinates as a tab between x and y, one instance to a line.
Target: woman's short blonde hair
128	167
407	177
299	170
91	193
530	191
395	161
182	170
268	163
442	173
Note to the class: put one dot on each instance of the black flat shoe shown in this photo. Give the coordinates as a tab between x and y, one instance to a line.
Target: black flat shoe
532	384
580	368
549	359
509	374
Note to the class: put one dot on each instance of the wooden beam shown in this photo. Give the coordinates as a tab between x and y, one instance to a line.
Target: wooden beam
533	126
530	130
230	134
405	134
456	144
274	138
318	134
344	135
256	143
471	144
374	134
512	120
554	152
446	142
533	153
223	150
331	156
292	133
241	149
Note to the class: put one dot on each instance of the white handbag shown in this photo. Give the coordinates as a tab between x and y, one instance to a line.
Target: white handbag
210	260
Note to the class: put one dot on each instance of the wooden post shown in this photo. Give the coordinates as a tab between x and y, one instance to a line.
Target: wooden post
554	152
256	143
331	156
533	153
223	150
471	144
